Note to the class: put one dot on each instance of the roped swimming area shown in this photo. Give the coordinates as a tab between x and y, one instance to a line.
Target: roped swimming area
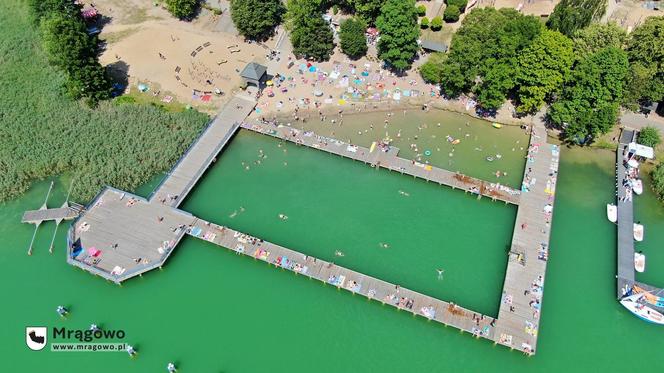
120	235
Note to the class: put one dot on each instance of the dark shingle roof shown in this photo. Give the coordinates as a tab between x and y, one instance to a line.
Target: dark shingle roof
253	71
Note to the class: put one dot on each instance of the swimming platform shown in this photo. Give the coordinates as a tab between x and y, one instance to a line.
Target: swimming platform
120	235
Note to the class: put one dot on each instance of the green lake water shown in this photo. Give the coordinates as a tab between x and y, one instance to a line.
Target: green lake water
210	310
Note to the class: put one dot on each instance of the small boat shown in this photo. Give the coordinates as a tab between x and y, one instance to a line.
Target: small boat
638	232
456	142
497	125
641	311
637	186
490	159
612	212
639	262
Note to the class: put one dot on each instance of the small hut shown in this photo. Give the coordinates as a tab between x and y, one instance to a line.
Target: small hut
255	74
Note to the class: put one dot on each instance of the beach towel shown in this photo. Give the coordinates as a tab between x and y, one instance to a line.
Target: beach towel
206	98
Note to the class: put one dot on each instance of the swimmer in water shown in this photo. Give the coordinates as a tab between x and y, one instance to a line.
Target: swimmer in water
440	273
405	194
338	253
234	214
283	217
384	245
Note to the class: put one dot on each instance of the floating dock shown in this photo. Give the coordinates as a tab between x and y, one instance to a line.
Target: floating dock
121	236
625	277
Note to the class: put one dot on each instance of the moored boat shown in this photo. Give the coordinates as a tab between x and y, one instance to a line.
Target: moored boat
639	262
638	232
637	186
496	125
612	212
640	310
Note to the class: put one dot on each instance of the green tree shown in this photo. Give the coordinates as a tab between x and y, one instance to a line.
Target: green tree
461	4
487	40
421	10
42	8
182	9
589	103
432	70
424	22
451	14
311	36
598	36
569	16
645	50
398	33
658	181
368	10
649	136
256	19
352	40
70	48
542	69
436	23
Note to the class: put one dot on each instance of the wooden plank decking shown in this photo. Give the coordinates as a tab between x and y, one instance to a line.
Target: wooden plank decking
402	298
38	216
625	257
389	159
193	164
519	314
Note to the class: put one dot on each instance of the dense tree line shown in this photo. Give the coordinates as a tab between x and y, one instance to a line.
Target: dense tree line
44	134
500	54
257	19
658	181
645	50
310	35
399	32
484	55
69	47
569	16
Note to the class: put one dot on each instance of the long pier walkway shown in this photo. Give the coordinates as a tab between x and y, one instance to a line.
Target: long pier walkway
519	313
120	235
625	278
370	287
387	157
189	169
625	222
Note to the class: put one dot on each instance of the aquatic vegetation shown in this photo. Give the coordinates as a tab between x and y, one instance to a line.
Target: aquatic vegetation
43	132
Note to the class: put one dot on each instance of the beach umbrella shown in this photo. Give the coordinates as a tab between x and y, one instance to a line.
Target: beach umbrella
269	82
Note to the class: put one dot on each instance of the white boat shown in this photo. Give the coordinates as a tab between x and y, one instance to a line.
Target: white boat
639	262
638	232
641	311
612	212
637	186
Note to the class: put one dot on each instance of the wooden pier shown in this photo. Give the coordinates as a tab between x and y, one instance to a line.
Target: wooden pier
625	277
193	164
121	236
61	213
343	278
523	290
387	157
